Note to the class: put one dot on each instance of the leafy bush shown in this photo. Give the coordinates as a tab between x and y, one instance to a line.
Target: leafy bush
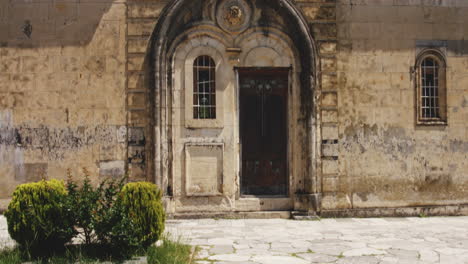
83	202
37	217
120	219
142	203
110	220
134	221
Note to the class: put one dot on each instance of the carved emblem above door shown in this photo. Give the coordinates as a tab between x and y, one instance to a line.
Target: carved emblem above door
233	15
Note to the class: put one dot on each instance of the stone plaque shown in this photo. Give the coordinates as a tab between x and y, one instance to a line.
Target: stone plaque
204	169
233	15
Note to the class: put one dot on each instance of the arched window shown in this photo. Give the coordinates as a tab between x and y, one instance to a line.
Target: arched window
431	89
204	88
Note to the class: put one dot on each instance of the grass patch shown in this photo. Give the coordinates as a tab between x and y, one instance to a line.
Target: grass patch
169	253
10	256
71	254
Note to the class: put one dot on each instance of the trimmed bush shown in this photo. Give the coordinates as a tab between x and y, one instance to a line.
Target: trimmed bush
37	217
134	221
142	203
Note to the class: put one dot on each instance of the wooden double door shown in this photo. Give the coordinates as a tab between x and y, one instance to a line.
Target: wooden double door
263	130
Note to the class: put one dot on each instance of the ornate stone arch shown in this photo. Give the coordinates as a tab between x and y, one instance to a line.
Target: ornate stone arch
172	29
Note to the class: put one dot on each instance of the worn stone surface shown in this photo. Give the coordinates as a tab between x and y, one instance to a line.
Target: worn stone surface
62	90
351	240
385	160
79	89
377	240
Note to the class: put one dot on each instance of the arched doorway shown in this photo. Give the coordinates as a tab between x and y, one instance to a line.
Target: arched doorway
219	65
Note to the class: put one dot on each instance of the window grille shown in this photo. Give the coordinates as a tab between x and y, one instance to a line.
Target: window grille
431	88
204	88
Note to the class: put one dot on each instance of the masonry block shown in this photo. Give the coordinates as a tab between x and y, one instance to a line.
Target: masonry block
136	100
330	184
141	27
329	116
141	9
330	166
30	172
329	99
327	47
136	62
138	44
330	150
319	12
329	132
138	117
136	154
329	81
136	136
112	168
324	30
328	65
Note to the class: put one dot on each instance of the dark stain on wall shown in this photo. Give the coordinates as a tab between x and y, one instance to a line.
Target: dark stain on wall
458	146
427	179
392	141
56	142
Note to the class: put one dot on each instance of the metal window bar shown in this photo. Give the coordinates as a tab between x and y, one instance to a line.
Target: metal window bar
204	94
430	107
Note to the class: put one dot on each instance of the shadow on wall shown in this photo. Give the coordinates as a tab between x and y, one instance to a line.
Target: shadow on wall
29	24
377	27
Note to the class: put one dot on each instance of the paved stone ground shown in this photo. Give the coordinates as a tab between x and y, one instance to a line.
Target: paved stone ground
5	240
347	241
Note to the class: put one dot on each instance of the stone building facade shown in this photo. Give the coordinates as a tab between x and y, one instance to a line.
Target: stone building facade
330	107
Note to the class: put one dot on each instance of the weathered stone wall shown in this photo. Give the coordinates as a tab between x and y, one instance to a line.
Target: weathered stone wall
62	89
77	91
142	17
321	15
385	160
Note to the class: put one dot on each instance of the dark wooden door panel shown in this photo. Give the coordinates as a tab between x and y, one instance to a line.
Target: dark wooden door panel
263	121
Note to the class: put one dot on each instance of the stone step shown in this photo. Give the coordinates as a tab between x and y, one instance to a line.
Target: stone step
233	215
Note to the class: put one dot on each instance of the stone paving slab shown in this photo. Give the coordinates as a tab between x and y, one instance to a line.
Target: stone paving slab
372	240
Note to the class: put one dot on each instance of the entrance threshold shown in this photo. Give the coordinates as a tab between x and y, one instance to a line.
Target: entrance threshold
264	203
233	215
263	196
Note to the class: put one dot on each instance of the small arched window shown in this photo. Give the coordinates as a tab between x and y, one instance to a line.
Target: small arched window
431	89
204	88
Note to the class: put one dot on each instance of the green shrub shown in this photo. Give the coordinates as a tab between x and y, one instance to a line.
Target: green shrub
38	219
110	221
142	202
83	202
134	221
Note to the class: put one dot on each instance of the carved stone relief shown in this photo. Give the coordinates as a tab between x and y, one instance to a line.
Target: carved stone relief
233	15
